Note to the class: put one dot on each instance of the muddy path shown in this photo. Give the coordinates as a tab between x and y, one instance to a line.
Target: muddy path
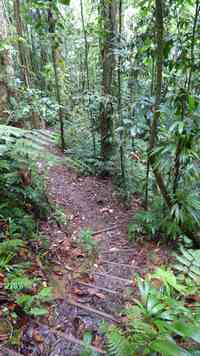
88	287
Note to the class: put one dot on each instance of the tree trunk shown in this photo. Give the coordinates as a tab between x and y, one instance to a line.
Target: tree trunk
122	153
55	58
154	127
6	67
87	77
108	27
23	54
25	60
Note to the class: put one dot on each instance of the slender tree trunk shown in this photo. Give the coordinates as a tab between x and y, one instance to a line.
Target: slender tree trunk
146	200
154	127
87	76
122	153
108	24
156	116
6	67
25	60
22	51
197	11
86	45
55	56
177	161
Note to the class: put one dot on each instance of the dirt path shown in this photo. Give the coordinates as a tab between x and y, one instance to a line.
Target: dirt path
87	289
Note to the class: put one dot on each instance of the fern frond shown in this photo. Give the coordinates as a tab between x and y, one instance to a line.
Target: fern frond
188	263
11	246
118	344
28	142
17	283
5	262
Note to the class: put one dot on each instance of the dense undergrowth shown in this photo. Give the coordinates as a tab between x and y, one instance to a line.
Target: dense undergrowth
165	317
23	286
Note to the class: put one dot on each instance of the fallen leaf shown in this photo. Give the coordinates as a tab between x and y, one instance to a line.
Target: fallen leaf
193	297
58	273
3	337
2	277
11	306
23	252
96	294
106	210
80	292
77	253
157	283
79	327
37	337
97	341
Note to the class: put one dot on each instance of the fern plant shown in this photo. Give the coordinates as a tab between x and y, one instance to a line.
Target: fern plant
188	265
159	321
18	283
22	203
11	246
118	343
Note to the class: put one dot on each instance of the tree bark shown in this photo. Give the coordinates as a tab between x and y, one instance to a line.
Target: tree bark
158	89
122	153
25	61
23	54
108	27
87	76
154	127
197	11
6	67
55	57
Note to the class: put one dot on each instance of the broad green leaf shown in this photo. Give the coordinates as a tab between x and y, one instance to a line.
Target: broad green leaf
38	311
167	347
168	278
185	330
64	2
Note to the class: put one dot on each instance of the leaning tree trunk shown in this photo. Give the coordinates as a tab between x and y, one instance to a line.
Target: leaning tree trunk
108	27
6	67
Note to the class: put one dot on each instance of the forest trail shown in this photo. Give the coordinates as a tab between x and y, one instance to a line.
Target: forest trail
88	287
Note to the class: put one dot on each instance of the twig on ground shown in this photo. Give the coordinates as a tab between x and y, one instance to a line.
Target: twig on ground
74	340
92	310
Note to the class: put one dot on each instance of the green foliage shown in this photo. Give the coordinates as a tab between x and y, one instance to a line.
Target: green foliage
87	241
59	216
22	203
64	2
134	232
32	304
87	339
33	100
160	320
188	264
156	223
11	246
118	344
19	283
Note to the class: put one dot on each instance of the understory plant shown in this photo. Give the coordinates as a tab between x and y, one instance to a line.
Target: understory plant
22	204
165	318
